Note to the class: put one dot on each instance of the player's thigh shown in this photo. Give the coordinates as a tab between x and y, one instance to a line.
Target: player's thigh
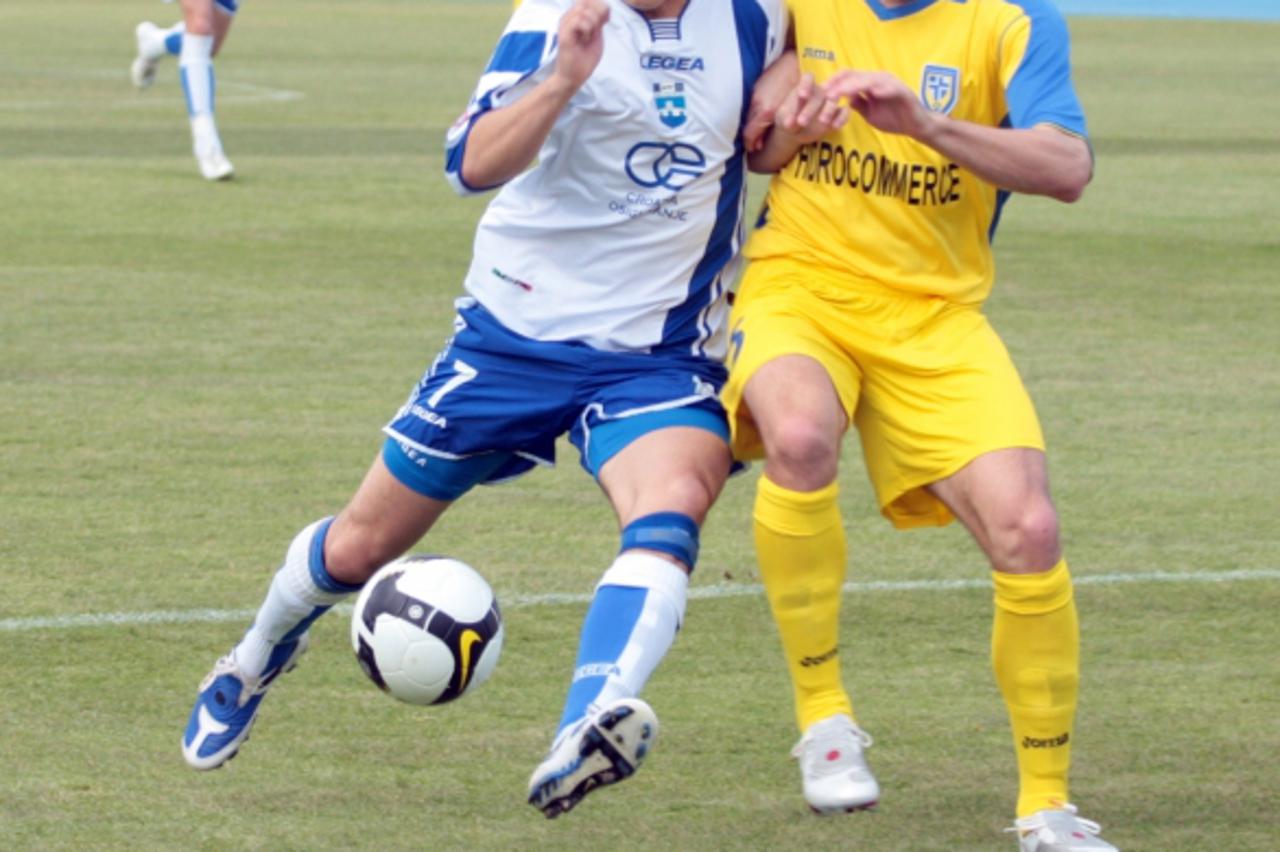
670	468
936	401
785	367
224	14
199	16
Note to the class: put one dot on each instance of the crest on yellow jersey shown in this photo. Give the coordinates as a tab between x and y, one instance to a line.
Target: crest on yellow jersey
670	101
940	88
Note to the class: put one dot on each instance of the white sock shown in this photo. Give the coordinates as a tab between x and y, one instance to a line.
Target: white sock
196	70
157	42
655	632
293	601
624	637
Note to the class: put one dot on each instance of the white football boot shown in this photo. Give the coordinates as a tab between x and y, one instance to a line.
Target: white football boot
207	146
150	40
214	164
834	767
1059	830
603	748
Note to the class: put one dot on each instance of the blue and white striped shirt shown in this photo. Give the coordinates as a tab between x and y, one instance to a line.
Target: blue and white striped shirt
625	233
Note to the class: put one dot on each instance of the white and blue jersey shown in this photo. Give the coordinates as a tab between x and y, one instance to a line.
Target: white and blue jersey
598	296
625	234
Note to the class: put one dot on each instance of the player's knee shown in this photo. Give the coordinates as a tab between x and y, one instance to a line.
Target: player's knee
802	451
1027	540
353	551
691	493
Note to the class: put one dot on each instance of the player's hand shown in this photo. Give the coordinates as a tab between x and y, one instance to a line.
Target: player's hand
581	41
767	96
809	112
883	100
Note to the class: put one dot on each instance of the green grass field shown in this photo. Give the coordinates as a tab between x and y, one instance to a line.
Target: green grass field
191	372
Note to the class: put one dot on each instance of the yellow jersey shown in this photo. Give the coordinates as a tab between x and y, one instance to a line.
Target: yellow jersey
887	210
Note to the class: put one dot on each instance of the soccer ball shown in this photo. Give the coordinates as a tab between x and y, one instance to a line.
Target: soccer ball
427	629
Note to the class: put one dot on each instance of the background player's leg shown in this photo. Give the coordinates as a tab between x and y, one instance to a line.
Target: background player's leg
206	27
1003	499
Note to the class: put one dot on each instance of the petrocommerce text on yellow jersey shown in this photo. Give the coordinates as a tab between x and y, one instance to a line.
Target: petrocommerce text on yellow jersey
882	208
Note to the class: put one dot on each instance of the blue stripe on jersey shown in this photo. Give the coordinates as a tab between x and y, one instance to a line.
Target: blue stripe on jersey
1002	196
681	327
662	29
753	45
453	158
1041	91
888	13
519	51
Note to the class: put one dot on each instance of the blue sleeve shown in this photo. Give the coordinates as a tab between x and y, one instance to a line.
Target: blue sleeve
761	28
527	46
1040	90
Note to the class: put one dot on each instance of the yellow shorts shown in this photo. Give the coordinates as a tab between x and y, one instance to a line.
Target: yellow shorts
928	383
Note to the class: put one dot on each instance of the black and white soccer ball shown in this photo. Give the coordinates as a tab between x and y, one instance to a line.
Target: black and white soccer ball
427	629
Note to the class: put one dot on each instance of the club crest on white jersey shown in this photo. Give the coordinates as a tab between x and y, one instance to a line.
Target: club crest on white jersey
669	99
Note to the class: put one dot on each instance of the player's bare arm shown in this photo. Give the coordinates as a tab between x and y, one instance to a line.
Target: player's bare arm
504	142
805	115
773	87
1040	160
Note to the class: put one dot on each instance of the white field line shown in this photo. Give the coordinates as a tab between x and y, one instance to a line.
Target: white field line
229	91
517	601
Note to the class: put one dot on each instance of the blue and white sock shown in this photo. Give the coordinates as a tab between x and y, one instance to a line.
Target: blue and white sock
155	43
631	624
172	38
196	71
300	592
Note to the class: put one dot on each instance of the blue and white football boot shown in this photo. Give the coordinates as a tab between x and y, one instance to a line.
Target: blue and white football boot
228	703
602	748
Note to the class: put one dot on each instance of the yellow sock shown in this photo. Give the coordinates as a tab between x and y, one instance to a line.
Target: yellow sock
801	547
1035	650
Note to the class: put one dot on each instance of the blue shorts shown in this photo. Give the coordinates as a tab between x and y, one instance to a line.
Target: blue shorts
228	6
491	391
